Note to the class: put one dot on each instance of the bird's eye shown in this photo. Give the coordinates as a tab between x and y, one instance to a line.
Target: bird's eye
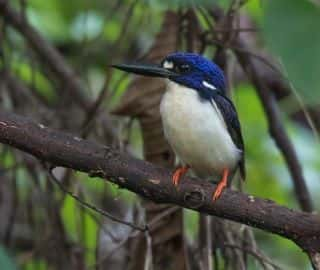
183	68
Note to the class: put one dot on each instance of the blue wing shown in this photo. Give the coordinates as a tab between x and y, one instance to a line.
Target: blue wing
230	117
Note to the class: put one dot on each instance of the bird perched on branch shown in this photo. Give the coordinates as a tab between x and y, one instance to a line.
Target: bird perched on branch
199	121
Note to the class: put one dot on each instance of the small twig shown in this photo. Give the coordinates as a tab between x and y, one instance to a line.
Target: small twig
255	254
250	53
13	214
108	255
162	215
100	224
135	233
148	258
92	207
205	245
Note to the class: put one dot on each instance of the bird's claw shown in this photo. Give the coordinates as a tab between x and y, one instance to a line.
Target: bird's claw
176	178
221	185
217	193
178	173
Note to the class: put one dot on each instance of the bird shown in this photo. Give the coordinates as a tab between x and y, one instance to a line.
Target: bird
199	121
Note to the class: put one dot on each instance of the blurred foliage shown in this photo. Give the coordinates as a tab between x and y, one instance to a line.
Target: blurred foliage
294	38
86	31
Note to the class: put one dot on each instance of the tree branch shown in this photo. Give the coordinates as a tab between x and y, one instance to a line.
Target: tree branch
154	183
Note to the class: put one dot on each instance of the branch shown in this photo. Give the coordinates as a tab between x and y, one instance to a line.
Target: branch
154	183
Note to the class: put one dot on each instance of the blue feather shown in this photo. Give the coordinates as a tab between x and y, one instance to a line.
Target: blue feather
201	70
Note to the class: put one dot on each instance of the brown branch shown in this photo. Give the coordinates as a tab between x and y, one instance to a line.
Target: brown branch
154	183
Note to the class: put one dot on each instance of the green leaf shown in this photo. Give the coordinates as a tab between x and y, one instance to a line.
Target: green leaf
292	32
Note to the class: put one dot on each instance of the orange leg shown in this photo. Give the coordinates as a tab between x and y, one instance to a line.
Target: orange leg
178	173
221	185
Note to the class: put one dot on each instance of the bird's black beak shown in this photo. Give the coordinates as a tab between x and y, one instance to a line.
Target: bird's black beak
146	70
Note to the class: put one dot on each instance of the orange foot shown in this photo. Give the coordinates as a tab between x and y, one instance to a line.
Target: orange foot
221	185
178	173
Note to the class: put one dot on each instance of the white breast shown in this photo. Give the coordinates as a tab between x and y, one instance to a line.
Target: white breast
197	132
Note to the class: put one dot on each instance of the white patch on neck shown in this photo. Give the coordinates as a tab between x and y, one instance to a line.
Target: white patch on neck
208	85
168	64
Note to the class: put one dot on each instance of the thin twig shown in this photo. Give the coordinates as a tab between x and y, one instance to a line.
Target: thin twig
255	254
135	233
148	257
92	207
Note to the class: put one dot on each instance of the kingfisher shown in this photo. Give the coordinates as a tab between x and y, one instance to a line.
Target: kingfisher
199	121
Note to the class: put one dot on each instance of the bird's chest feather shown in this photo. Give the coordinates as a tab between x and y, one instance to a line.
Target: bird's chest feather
196	131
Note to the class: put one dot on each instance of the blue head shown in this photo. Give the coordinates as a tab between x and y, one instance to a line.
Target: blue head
188	69
195	71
